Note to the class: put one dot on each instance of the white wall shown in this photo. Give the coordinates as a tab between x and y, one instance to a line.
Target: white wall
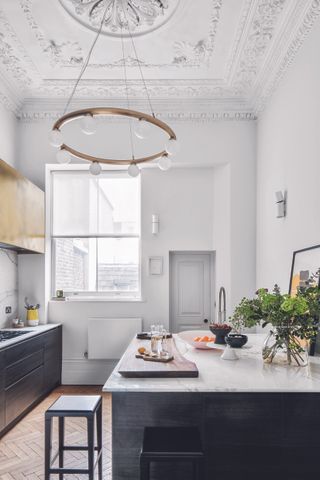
289	159
8	260
191	203
8	136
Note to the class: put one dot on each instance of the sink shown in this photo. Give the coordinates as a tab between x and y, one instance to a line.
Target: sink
8	335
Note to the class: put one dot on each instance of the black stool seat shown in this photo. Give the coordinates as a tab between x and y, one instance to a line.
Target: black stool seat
172	441
87	406
172	444
74	404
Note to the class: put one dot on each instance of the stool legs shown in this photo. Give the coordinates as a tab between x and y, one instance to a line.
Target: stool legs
47	448
201	469
91	447
99	439
92	417
198	469
144	469
61	445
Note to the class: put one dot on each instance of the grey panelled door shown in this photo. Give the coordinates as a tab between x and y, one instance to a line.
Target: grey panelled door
190	291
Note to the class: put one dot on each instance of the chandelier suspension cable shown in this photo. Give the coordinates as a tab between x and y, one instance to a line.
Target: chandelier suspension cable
87	60
127	92
87	117
138	63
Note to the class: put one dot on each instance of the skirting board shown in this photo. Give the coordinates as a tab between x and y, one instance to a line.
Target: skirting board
86	372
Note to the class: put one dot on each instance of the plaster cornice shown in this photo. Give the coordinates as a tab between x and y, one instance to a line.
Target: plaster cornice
309	14
243	94
188	110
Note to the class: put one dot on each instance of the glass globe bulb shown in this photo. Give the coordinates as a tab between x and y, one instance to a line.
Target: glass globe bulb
56	138
165	163
88	125
172	146
142	129
95	168
63	156
133	170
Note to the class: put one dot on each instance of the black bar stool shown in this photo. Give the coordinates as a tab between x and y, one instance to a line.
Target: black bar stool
172	444
88	406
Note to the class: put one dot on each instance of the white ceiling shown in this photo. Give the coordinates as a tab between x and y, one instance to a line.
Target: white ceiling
217	57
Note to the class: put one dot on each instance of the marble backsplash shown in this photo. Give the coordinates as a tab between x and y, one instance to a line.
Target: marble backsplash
8	286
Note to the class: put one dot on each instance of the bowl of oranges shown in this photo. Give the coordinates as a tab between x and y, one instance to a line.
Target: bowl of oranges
202	342
197	338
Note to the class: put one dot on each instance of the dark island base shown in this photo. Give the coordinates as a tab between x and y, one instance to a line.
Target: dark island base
245	435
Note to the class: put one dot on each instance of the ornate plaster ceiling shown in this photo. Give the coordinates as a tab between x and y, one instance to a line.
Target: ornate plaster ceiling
205	58
121	17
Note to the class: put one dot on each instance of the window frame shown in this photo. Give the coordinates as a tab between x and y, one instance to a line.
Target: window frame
90	295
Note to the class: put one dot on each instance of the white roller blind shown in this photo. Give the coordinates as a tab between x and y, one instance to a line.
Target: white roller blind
84	205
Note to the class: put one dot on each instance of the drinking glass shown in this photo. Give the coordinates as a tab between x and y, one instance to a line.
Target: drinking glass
156	339
166	350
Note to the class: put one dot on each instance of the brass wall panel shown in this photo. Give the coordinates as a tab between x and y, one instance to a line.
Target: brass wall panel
22	223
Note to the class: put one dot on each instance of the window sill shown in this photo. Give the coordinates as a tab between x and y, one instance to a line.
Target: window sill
98	299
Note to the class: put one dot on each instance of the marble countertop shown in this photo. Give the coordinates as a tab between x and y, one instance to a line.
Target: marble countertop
31	332
247	374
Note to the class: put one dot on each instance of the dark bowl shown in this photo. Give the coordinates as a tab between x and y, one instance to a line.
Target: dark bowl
220	334
236	340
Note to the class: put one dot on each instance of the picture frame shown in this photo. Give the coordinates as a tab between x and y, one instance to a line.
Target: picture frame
155	266
305	263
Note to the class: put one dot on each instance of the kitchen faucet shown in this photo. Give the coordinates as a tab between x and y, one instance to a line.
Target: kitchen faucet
222	313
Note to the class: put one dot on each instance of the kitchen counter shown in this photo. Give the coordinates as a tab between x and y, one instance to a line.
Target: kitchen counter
248	374
256	420
32	332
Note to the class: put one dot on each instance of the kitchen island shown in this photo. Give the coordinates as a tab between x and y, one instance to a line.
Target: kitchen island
256	420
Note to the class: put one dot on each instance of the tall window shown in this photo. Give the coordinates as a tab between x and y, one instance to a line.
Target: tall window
95	232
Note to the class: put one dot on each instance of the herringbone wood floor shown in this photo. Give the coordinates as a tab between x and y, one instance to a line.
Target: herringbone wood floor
22	449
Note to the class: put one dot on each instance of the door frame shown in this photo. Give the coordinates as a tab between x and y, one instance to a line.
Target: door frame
212	255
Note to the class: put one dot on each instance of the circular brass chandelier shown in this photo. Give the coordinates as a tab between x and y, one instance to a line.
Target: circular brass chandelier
88	117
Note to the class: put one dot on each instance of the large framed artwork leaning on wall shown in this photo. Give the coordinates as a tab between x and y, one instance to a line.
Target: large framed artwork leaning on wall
305	273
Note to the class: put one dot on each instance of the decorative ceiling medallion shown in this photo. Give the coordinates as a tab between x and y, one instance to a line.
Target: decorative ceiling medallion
135	17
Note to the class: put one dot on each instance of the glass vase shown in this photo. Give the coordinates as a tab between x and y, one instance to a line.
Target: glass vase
282	347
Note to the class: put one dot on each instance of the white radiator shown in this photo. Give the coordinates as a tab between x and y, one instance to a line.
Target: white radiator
109	337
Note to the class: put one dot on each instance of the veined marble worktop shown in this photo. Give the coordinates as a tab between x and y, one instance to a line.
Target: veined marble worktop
247	374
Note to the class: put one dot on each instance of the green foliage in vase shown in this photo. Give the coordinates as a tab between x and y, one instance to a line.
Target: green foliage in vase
293	318
299	314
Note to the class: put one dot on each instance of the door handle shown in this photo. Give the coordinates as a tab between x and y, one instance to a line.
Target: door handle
205	320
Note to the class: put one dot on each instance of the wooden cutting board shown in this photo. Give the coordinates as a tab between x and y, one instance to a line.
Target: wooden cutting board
132	367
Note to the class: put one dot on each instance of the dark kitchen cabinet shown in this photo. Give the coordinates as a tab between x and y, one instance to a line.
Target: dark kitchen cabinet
2	399
30	369
52	358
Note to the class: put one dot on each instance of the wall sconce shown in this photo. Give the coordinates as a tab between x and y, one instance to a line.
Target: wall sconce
155	224
281	202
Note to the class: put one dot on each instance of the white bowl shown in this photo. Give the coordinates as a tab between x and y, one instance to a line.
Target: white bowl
188	336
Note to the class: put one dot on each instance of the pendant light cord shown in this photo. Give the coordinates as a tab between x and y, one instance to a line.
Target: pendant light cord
127	91
84	66
138	63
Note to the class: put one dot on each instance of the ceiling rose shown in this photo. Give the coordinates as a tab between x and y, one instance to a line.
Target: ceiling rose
135	17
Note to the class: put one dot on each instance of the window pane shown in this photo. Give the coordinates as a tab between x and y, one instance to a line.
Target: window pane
75	205
119	205
75	264
118	264
87	205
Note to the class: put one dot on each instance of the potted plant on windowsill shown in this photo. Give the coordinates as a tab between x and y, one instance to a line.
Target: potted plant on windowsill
293	321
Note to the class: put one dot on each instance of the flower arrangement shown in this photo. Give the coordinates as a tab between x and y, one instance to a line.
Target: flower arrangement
28	306
295	319
32	313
